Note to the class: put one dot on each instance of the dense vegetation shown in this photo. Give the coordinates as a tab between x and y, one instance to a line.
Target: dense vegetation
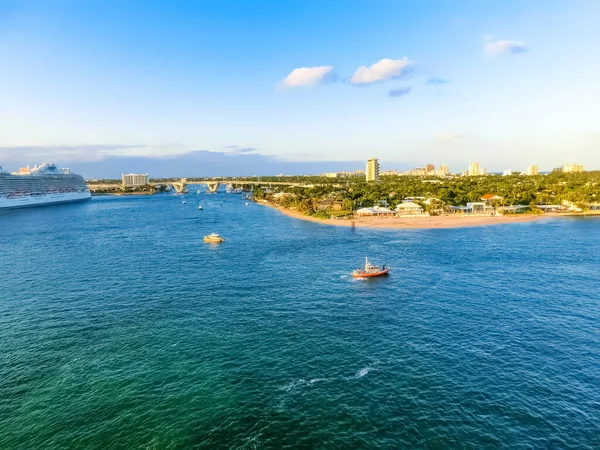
582	189
145	189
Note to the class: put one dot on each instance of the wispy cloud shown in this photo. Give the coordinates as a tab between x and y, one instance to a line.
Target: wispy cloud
505	47
399	92
36	154
236	149
437	81
309	76
450	136
382	70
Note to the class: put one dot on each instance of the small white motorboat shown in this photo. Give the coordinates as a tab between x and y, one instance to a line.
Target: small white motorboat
214	238
200	207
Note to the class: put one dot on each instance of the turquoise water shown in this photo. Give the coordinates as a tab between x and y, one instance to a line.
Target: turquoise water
120	328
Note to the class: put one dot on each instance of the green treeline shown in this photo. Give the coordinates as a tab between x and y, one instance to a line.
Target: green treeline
582	189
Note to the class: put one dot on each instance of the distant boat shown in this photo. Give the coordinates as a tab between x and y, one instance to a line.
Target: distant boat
370	271
246	203
183	202
200	207
214	238
198	192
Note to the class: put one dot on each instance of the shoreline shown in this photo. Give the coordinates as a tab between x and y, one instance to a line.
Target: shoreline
427	222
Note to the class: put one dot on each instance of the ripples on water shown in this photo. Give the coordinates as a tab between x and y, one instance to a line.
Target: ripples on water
120	328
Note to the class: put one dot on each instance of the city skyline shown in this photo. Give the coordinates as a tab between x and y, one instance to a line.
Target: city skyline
292	85
258	166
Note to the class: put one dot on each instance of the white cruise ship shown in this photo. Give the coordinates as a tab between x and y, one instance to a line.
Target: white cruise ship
41	185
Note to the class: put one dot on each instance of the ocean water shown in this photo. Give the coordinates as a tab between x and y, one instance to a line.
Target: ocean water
120	328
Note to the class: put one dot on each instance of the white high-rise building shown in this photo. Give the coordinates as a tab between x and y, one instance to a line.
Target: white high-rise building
533	170
134	179
372	172
442	171
573	168
507	173
473	169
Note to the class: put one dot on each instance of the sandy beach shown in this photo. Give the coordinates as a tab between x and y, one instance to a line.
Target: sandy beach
447	221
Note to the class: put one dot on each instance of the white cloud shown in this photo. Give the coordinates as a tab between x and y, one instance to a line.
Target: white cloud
308	76
449	136
503	46
382	70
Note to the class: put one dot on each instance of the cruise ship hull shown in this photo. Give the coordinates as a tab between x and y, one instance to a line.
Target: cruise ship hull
25	201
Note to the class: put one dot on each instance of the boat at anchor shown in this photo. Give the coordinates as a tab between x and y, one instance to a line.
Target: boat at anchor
370	271
214	238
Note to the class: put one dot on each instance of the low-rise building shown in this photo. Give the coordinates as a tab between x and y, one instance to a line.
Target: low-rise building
479	208
552	208
374	211
512	209
408	209
571	206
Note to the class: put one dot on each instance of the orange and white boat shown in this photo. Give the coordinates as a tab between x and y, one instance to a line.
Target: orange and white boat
370	271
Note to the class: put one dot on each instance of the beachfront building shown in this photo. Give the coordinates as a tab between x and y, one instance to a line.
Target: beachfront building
374	211
507	173
573	168
532	171
434	205
331	174
571	206
134	179
409	209
512	209
552	208
479	208
429	169
372	171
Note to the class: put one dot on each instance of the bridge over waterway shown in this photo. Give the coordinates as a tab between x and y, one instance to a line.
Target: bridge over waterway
213	185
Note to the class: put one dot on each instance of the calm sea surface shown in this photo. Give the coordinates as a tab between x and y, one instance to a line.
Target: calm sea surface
120	328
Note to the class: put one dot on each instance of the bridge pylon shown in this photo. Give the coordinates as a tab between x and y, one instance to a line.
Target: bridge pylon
180	187
212	186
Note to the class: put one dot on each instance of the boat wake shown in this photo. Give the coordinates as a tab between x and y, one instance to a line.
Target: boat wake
362	372
300	383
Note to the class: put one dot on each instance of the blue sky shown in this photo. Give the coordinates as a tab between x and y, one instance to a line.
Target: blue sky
514	82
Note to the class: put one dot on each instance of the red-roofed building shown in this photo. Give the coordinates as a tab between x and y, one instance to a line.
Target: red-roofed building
491	197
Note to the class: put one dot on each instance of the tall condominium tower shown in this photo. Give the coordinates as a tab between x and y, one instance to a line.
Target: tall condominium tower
372	172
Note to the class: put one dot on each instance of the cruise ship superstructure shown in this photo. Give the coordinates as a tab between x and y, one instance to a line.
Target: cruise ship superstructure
41	185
